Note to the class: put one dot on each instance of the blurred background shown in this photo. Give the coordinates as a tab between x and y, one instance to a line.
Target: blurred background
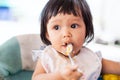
106	15
22	17
19	17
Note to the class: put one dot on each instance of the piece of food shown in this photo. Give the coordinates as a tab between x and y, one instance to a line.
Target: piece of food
69	49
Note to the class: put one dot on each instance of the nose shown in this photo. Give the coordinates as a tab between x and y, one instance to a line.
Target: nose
67	33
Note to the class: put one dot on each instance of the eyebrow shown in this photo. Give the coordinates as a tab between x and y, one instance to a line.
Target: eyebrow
77	19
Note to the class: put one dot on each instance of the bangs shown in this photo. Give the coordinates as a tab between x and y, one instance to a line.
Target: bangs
65	7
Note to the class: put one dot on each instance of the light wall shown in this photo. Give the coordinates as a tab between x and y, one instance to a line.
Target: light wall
106	15
25	13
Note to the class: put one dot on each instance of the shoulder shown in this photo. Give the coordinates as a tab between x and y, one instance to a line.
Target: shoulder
86	49
42	52
90	52
46	52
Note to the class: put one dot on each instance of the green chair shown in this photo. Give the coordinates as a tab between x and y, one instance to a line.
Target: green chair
16	61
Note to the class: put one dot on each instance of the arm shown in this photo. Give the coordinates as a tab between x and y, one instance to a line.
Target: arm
40	74
67	74
109	66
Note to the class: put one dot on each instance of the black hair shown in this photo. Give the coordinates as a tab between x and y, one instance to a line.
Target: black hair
75	7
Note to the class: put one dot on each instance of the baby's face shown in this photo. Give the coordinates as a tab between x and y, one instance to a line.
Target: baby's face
63	29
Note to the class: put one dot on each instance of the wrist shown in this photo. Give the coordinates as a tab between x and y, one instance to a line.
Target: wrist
59	76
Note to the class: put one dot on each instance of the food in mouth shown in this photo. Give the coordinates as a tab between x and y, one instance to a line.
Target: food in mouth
69	49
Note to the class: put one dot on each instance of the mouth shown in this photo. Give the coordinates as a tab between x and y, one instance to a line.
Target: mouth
65	45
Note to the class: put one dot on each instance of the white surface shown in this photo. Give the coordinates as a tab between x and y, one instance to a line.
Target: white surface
26	18
9	29
110	52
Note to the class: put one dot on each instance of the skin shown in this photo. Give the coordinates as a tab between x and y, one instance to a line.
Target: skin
63	29
66	29
109	66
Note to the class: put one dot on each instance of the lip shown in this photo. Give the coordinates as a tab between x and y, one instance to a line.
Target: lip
64	45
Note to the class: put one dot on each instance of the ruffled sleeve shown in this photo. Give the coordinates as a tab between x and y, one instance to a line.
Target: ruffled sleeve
46	58
37	53
98	53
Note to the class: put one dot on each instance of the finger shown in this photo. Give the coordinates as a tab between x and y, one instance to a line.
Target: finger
80	71
80	74
74	67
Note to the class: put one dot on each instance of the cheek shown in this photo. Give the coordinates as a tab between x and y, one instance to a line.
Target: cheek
79	43
54	39
81	34
80	38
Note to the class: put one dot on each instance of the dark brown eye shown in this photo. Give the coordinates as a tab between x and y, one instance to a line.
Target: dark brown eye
74	26
57	27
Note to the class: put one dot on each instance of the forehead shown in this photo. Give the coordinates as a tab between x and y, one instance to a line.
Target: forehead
62	16
65	19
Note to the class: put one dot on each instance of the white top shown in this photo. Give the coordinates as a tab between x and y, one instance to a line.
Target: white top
88	62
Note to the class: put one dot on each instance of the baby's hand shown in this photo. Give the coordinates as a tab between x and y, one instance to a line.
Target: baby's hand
70	72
